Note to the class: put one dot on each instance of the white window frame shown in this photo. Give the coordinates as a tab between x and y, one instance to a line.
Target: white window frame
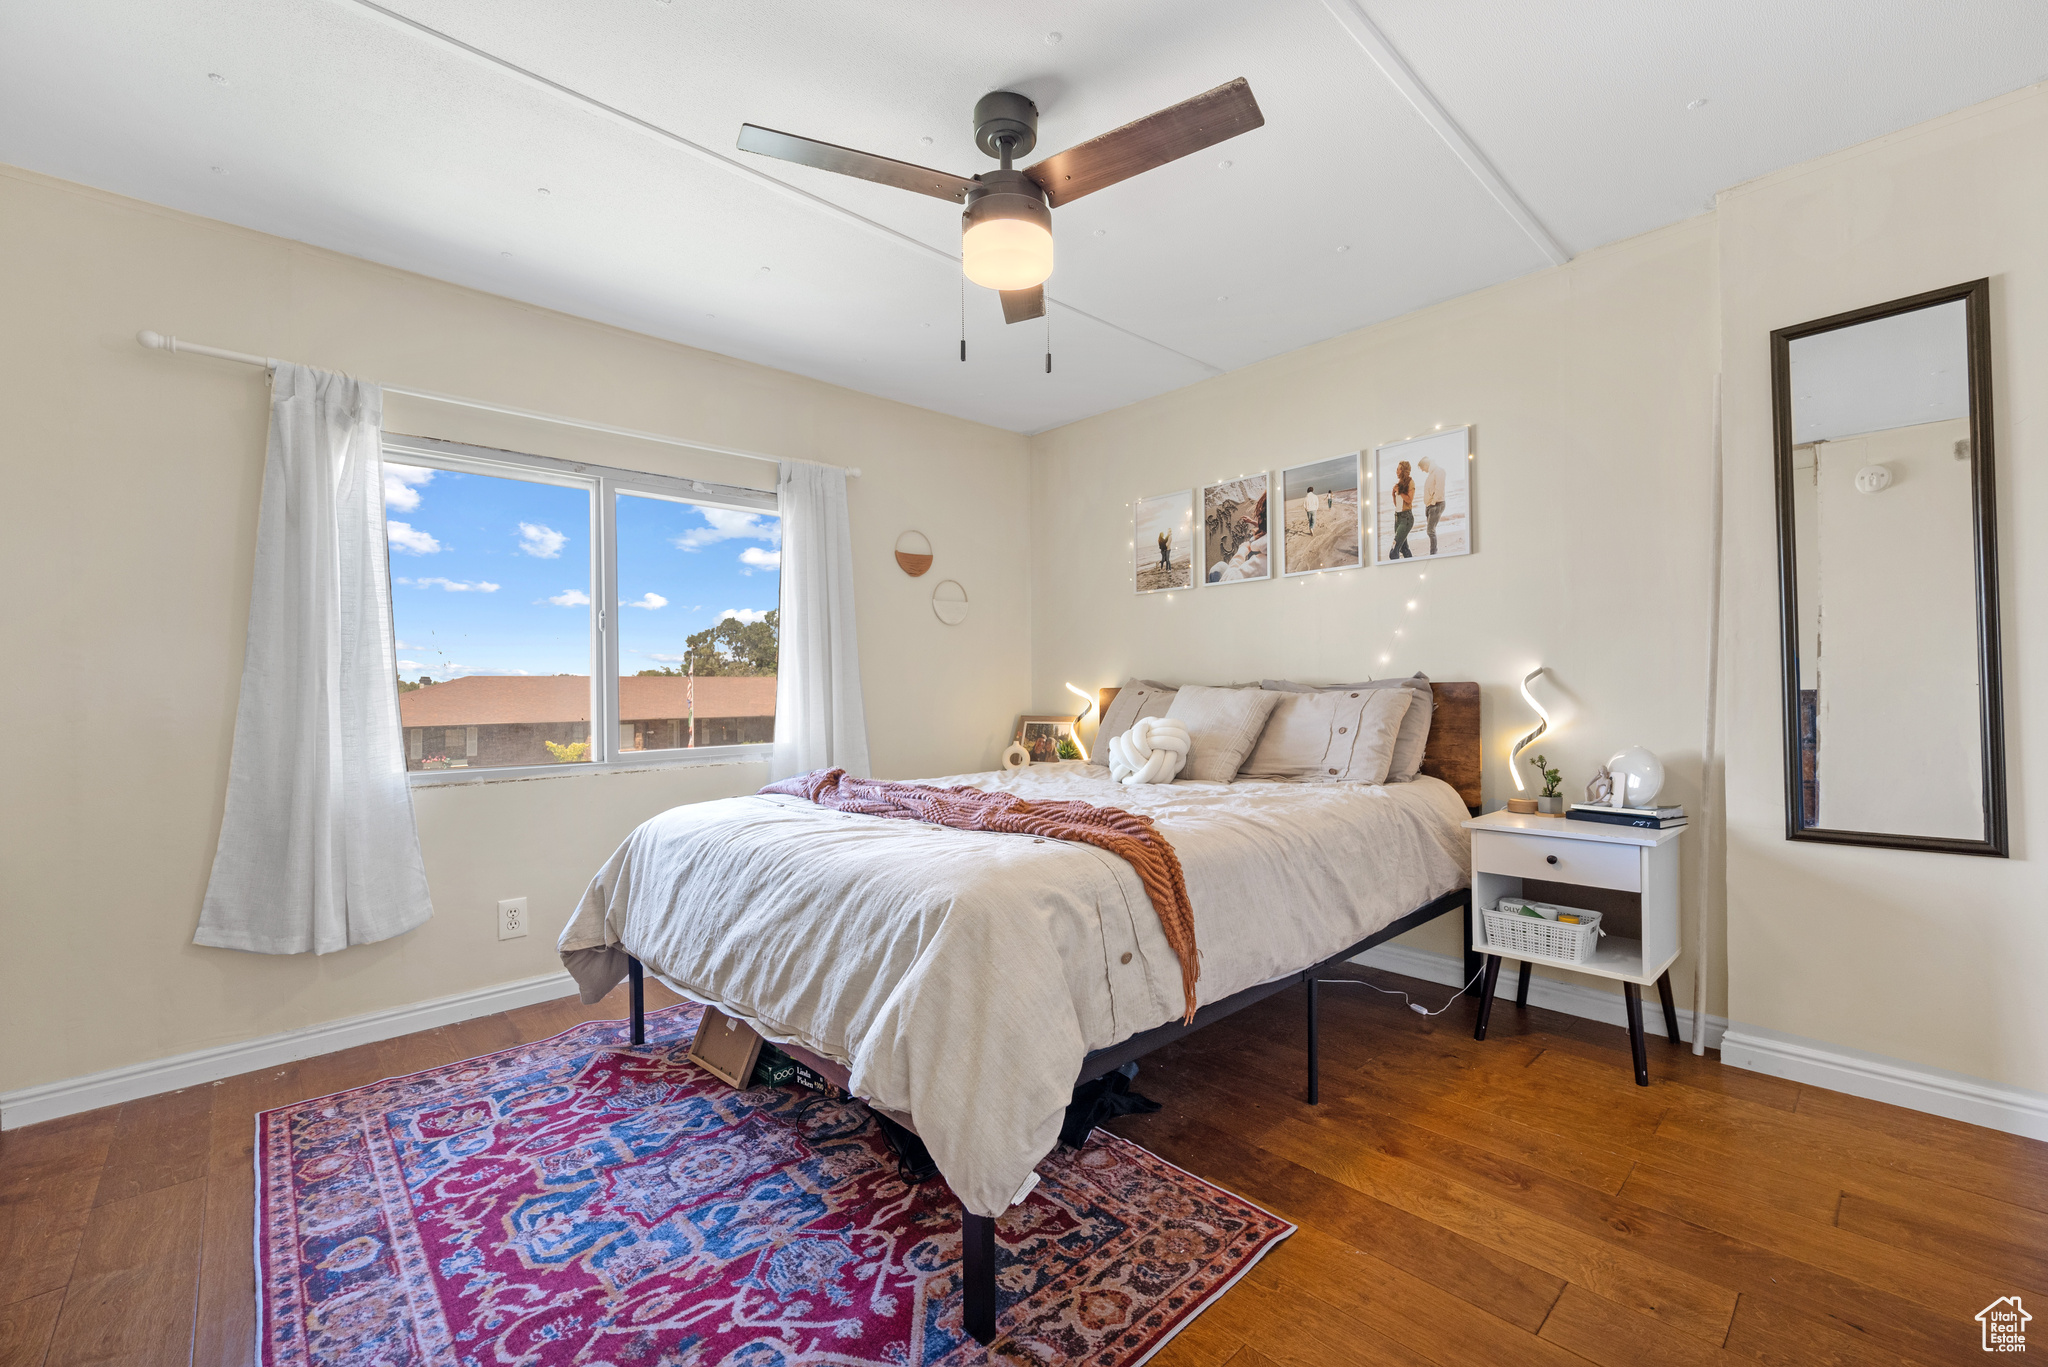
605	484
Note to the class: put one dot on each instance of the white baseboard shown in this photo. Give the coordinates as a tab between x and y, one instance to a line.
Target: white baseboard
1874	1077
72	1095
1572	998
1814	1063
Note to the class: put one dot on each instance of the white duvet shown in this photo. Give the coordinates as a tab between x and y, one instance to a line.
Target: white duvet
962	976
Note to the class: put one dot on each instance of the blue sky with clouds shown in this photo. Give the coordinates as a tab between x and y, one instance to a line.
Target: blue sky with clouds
492	576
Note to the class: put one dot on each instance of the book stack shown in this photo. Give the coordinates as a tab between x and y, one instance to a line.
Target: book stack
1643	818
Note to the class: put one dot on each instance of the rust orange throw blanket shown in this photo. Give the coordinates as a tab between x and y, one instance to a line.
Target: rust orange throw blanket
1125	834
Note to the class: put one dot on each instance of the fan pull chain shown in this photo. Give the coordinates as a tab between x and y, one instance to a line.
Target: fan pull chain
963	316
1048	341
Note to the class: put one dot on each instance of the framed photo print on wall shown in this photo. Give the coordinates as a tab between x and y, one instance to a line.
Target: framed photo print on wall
1319	524
1422	497
1163	530
1235	546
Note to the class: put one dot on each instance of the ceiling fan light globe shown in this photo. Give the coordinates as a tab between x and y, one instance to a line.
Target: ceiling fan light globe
1006	253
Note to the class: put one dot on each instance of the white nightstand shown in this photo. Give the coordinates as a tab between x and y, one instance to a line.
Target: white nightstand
1629	876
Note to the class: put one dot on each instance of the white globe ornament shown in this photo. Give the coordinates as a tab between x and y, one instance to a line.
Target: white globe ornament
1638	775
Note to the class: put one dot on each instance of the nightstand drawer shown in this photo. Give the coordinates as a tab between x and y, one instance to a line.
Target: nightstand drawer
1588	862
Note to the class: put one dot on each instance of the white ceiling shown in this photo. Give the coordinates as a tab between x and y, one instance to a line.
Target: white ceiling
360	131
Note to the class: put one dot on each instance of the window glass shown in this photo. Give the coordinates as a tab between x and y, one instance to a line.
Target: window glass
490	596
698	595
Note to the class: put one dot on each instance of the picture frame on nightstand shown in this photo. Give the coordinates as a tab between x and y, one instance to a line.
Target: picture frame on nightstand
1049	738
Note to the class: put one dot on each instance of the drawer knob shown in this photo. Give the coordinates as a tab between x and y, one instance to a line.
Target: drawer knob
1550	859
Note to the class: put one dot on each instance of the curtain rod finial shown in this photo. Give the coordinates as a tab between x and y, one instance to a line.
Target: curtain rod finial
155	341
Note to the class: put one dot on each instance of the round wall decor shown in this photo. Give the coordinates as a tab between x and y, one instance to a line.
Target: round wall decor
914	553
949	602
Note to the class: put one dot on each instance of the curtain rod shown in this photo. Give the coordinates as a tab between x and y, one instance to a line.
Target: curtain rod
157	341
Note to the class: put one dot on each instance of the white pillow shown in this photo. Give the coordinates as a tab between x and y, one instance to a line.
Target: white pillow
1223	725
1137	698
1412	743
1330	737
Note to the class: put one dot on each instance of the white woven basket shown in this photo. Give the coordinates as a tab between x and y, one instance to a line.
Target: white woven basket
1569	944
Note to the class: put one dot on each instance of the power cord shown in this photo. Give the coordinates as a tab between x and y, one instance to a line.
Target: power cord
1414	1006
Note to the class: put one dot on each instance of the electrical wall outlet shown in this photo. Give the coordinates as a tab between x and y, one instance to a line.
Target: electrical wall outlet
511	918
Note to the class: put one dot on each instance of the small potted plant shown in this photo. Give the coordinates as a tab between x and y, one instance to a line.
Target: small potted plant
434	762
1549	802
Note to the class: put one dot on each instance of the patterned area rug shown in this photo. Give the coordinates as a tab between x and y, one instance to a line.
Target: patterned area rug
580	1201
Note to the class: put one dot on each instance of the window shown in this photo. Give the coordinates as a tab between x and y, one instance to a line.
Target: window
698	588
551	614
491	601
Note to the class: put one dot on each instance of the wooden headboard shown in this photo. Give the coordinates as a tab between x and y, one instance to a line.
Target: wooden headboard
1453	750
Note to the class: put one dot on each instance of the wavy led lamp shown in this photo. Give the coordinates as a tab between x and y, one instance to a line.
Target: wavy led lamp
1087	705
1515	754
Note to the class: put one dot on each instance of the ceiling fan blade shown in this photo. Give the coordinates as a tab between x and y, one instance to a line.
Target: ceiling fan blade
847	162
1156	139
1021	306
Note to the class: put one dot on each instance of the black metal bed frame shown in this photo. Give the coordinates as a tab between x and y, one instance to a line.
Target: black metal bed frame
978	1232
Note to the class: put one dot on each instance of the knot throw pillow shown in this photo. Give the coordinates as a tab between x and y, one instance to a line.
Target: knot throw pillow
1152	751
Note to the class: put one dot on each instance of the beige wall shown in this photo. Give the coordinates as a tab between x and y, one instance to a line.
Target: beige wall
1589	390
1935	959
134	478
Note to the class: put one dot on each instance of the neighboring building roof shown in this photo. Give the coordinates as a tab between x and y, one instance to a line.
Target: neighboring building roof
509	699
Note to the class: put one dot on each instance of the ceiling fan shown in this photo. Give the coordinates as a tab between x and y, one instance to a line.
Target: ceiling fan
1006	233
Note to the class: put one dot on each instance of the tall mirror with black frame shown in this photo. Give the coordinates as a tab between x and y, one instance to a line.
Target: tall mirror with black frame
1888	565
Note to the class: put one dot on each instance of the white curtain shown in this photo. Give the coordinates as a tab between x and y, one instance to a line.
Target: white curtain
318	850
819	722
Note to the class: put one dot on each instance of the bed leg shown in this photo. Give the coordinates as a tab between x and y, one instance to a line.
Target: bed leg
1314	1095
978	1275
1472	955
636	991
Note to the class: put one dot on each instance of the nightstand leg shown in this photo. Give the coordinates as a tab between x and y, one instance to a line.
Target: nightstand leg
1632	998
1670	1008
1522	986
1472	958
1486	988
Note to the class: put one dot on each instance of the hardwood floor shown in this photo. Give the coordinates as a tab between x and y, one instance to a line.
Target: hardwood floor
1516	1201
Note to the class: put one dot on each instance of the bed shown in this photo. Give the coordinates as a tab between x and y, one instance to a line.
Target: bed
964	982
